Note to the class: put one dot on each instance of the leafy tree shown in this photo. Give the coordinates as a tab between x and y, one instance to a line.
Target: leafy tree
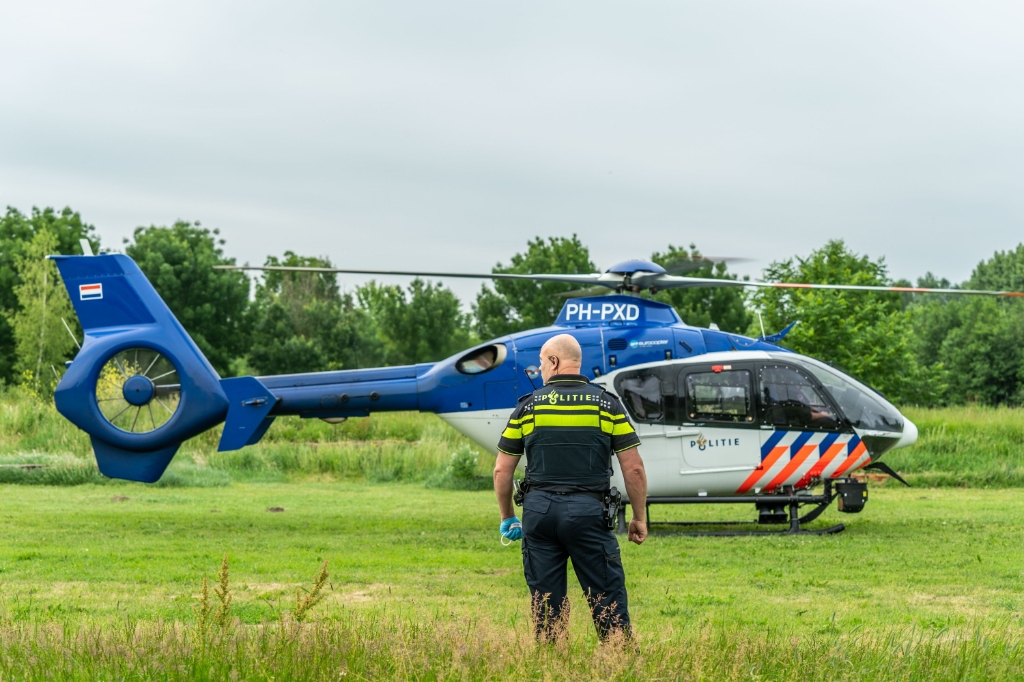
866	334
41	340
16	233
982	350
422	324
976	339
211	304
515	305
724	306
1003	272
304	324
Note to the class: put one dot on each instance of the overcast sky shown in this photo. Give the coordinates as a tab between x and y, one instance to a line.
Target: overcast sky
442	135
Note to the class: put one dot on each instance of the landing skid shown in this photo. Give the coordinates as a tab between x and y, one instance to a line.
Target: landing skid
787	498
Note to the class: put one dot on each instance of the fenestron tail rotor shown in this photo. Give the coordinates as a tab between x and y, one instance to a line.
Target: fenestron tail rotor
138	390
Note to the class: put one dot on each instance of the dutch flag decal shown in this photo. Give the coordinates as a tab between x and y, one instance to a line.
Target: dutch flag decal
90	292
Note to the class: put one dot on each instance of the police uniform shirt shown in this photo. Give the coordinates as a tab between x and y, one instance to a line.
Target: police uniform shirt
568	429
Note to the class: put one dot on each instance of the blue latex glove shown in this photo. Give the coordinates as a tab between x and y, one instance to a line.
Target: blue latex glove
512	529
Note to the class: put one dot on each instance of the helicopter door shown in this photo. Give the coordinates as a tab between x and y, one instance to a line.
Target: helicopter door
649	396
799	427
720	413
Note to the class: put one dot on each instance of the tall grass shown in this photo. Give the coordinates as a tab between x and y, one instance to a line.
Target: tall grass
38	446
382	646
958	446
967	446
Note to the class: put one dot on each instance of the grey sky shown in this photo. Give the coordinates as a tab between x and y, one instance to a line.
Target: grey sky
444	134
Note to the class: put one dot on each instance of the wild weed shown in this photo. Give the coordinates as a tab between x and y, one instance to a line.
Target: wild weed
305	602
223	592
203	610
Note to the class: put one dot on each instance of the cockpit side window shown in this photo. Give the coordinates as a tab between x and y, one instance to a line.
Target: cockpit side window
790	400
861	406
641	394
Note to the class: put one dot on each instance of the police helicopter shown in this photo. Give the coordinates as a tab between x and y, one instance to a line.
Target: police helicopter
723	418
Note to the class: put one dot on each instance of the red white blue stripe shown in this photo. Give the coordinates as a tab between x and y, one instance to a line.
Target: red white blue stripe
797	458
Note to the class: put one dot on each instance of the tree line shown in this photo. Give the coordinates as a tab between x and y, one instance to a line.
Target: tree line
914	348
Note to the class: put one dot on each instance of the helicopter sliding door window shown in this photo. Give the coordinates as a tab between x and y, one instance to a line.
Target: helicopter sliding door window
790	400
723	396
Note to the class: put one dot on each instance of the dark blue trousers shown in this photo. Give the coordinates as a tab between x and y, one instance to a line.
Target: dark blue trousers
557	528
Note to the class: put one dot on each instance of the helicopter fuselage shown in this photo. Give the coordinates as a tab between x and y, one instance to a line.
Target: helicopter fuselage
719	413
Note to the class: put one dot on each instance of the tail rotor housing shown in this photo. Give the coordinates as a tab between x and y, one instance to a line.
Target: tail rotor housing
140	386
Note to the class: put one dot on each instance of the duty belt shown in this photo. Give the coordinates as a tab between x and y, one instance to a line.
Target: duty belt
588	493
610	499
557	489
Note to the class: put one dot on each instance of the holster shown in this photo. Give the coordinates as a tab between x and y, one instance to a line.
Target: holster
520	490
612	501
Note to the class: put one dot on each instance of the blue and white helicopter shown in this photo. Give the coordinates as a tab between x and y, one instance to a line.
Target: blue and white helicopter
724	418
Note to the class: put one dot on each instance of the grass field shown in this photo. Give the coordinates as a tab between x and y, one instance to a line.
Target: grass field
937	569
101	579
958	447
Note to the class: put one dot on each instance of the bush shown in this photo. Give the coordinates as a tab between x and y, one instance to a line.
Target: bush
460	472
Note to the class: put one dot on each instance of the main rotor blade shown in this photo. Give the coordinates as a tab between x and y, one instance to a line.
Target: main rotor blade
599	290
691	264
671	282
592	278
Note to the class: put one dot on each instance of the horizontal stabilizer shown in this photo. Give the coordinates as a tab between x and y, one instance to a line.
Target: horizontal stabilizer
249	403
144	467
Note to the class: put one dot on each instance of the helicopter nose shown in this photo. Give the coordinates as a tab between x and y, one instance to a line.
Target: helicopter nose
909	436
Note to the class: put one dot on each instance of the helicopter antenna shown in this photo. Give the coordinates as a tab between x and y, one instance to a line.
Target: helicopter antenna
73	337
759	319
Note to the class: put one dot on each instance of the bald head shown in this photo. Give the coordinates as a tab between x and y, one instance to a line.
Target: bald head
560	355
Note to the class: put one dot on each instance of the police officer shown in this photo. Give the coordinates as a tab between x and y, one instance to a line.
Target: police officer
568	431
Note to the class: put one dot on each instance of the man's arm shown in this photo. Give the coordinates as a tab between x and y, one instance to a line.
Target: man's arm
636	488
504	467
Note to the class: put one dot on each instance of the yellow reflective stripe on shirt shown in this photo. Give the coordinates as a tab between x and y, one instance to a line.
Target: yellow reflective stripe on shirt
623	429
615	417
512	433
520	420
591	420
527	428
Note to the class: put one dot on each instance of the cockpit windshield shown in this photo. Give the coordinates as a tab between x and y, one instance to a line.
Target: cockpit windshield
864	408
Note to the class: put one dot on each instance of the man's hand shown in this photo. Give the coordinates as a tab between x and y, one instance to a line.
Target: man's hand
637	531
512	529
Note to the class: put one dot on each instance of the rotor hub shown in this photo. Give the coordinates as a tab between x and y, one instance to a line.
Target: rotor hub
138	390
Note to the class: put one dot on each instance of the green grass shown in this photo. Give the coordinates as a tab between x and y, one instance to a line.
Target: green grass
38	446
99	580
958	447
967	446
925	584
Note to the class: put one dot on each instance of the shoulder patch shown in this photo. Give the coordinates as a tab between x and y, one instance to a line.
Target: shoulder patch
524	397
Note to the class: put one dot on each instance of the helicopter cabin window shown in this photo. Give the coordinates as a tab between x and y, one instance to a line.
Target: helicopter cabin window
641	394
720	397
790	400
